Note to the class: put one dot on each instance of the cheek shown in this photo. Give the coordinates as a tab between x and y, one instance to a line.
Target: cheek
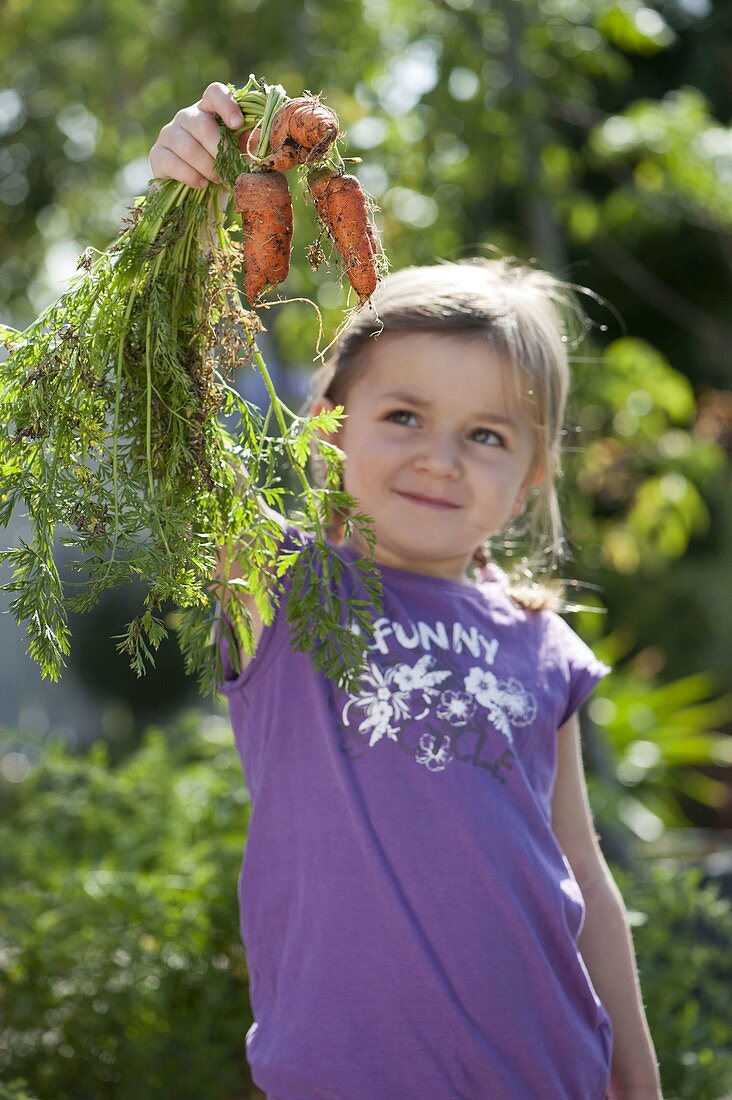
361	467
367	457
363	476
498	481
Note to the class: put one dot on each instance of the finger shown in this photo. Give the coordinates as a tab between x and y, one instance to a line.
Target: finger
185	145
217	99
168	165
201	126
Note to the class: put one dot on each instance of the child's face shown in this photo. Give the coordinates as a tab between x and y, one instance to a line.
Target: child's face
440	438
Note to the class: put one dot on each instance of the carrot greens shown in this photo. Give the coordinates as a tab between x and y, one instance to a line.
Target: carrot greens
112	437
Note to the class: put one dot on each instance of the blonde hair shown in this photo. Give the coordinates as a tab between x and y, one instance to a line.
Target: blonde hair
529	318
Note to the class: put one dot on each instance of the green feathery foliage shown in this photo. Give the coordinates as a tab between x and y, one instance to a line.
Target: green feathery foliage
109	430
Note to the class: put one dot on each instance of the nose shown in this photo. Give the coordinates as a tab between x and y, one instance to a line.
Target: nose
438	456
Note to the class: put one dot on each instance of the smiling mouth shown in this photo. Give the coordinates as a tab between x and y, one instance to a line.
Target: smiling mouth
427	502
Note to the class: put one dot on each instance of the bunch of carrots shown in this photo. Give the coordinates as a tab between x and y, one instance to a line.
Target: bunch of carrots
302	134
110	401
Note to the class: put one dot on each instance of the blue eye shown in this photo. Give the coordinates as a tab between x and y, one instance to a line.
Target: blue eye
488	431
399	412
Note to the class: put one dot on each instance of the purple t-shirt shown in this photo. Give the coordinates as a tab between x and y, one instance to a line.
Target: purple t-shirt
409	918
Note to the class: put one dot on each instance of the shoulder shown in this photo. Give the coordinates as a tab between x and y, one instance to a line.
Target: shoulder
579	666
567	641
526	595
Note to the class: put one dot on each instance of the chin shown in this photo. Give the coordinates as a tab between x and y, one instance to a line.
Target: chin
425	552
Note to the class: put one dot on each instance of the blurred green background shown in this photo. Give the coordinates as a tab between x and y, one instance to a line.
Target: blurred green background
592	136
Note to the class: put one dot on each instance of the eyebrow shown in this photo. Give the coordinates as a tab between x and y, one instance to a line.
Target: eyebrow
412	399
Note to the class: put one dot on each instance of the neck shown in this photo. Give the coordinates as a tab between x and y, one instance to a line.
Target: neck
453	570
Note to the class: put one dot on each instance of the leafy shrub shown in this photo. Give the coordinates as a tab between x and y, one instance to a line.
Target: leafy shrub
16	1090
682	932
121	968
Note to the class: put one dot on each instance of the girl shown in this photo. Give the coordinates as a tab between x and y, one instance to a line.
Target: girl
424	904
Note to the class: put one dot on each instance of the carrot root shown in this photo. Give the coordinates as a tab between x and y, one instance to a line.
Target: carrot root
341	206
302	131
264	202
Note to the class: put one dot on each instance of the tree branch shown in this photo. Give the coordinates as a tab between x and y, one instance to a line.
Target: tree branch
542	229
664	299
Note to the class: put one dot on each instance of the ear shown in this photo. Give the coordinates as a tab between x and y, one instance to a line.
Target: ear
534	477
319	404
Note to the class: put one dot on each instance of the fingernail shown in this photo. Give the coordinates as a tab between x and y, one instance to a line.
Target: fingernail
235	121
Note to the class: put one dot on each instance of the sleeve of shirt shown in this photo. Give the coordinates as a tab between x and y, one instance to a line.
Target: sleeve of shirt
583	670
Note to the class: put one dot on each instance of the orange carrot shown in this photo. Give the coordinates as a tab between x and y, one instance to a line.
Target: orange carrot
301	133
285	158
373	238
341	206
264	202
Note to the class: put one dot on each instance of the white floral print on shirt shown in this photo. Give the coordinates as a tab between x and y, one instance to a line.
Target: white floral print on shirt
456	707
391	695
388	697
507	701
436	759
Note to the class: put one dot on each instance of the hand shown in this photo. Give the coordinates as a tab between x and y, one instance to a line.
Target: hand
186	147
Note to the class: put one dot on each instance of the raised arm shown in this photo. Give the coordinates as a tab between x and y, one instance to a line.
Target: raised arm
185	150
